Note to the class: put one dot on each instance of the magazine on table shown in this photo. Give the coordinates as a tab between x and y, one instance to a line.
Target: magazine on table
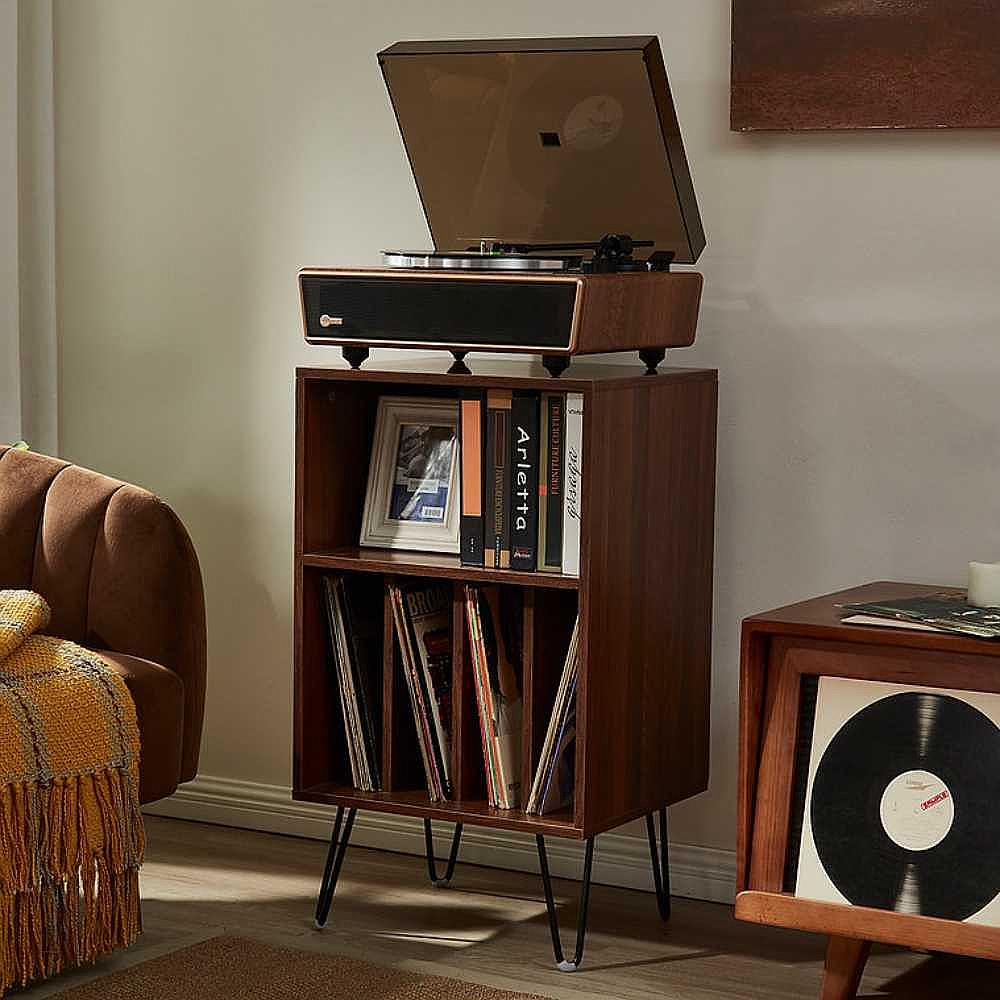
944	612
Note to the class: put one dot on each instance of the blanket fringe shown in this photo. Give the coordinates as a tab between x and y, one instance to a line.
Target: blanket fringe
69	872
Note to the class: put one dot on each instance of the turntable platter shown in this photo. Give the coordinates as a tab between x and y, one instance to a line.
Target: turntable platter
477	261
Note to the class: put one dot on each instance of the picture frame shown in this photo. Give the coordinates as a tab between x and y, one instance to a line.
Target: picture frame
412	500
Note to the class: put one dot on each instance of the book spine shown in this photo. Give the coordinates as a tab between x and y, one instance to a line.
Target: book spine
471	457
498	404
553	424
572	483
524	417
470	418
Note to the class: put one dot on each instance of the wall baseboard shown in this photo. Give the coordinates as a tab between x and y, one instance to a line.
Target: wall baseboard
696	872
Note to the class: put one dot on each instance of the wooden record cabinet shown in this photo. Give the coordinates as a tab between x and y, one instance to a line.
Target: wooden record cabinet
779	648
644	599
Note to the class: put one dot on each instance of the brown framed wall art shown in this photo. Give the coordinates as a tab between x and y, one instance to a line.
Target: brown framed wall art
852	64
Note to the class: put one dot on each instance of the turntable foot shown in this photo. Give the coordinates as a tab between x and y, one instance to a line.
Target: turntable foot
459	367
555	364
651	357
355	356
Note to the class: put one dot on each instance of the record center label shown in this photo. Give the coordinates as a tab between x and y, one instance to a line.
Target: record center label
917	810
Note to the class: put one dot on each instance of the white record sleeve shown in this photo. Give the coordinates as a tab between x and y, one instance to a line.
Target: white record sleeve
917	808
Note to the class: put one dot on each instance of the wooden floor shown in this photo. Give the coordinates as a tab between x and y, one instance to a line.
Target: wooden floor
490	927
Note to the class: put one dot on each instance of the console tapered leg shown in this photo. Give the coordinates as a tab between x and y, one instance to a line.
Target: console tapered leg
661	863
845	964
550	905
439	882
334	862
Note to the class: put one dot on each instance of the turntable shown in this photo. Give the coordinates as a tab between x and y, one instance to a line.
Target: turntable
557	193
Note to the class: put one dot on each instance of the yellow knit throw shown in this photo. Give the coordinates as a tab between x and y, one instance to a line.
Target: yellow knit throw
71	836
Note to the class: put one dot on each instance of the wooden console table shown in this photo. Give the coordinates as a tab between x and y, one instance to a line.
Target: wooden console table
778	649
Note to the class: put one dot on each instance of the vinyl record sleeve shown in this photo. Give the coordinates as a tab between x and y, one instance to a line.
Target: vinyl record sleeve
903	800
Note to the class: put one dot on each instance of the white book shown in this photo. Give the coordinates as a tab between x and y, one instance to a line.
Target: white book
572	484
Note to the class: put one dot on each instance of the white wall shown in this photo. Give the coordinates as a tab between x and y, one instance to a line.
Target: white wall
36	230
10	379
28	364
205	151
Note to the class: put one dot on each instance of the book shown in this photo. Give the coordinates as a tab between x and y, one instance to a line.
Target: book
498	406
472	526
550	491
422	615
552	787
524	418
944	612
572	483
497	673
354	629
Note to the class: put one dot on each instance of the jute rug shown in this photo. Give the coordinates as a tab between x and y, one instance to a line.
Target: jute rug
232	968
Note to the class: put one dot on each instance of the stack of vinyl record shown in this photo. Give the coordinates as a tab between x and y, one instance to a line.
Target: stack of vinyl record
552	788
496	662
353	632
422	617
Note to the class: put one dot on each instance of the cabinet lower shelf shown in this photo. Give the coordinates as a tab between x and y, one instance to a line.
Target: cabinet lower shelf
416	803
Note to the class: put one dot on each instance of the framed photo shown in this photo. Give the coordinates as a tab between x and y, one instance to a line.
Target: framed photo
412	500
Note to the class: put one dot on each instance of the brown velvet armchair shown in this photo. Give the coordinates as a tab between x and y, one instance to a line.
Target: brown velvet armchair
121	576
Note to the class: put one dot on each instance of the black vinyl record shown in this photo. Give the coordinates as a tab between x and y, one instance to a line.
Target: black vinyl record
904	734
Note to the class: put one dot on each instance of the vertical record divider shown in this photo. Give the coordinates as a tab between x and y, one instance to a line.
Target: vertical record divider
528	702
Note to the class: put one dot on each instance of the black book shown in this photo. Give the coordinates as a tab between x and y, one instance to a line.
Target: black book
554	429
472	424
524	418
498	405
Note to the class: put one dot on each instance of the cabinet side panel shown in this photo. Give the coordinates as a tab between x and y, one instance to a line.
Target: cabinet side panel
649	519
753	680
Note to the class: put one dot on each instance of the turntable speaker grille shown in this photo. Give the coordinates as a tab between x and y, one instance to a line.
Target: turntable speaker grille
483	312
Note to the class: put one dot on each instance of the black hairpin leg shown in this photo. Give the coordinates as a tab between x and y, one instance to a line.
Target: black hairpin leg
355	356
334	862
661	863
651	357
440	881
550	905
555	364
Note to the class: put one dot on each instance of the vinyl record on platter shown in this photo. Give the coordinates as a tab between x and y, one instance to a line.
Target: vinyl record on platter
905	806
